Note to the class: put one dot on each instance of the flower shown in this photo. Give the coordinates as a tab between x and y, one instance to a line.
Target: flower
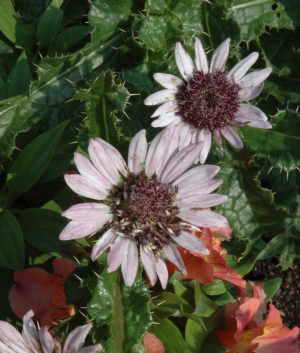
153	344
208	101
41	341
246	332
144	207
206	268
42	292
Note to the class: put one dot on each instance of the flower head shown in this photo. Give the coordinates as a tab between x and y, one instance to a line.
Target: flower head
208	101
145	207
42	292
41	341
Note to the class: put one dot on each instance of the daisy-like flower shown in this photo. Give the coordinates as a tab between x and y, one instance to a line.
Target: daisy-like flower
208	101
41	341
145	207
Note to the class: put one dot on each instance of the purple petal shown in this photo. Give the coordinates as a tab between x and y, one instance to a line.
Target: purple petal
232	137
255	123
250	112
117	253
200	57
102	161
168	107
162	271
202	201
156	151
130	264
86	211
191	242
114	155
148	260
255	78
76	338
87	170
248	93
180	162
46	340
220	56
137	152
29	332
168	81
91	349
198	176
205	136
85	187
76	229
218	138
174	256
11	340
185	137
240	69
202	218
103	243
195	189
160	97
184	62
166	119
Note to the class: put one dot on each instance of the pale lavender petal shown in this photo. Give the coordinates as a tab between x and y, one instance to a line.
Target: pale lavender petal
137	152
206	188
232	137
130	264
156	151
198	176
205	136
161	97
57	346
190	242
189	227
117	253
91	349
114	155
76	229
148	260
185	137
174	256
11	340
220	56
165	120
103	243
85	187
168	81
87	170
200	56
29	332
168	107
202	218
171	148
46	340
218	138
102	161
180	162
162	271
250	112
255	78
76	338
248	93
184	62
86	211
240	69
255	123
202	201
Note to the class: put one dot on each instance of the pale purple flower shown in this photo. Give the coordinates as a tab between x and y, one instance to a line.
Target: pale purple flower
41	341
208	101
146	207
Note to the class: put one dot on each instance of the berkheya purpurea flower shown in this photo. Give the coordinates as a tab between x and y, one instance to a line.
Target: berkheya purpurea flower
208	101
145	207
35	340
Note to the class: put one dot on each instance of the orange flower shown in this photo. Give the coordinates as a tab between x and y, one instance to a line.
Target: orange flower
246	332
206	268
153	344
36	289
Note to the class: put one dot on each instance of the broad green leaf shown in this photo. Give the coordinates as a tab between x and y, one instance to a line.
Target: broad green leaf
4	48
167	304
216	288
271	287
203	305
49	24
31	10
34	159
12	243
61	200
8	20
212	344
6	280
291	243
169	335
124	309
18	80
41	228
195	334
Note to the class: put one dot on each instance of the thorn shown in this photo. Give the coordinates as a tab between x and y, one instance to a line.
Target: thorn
80	279
96	273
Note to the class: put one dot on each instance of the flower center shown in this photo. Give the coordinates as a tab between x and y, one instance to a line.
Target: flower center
208	101
143	210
